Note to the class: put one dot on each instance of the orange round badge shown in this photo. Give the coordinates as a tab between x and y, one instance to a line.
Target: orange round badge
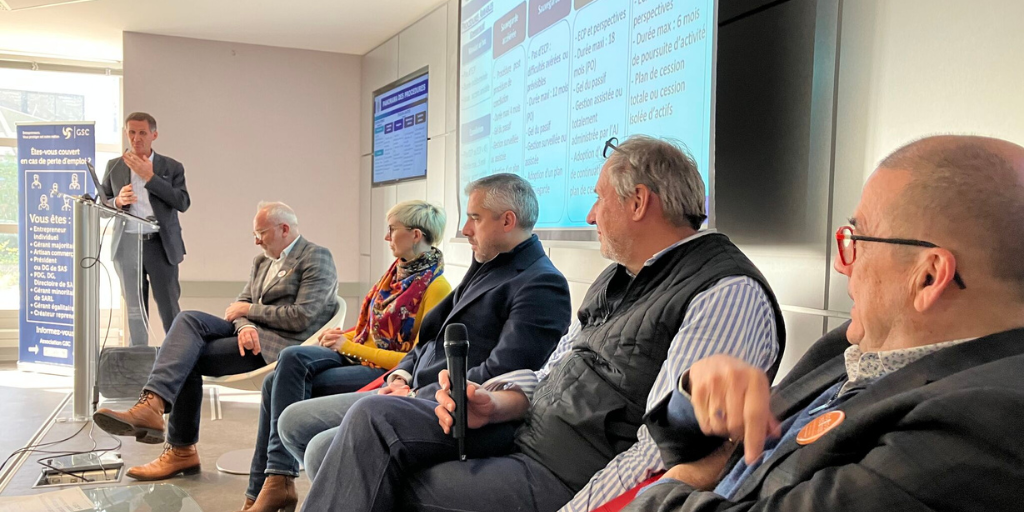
819	427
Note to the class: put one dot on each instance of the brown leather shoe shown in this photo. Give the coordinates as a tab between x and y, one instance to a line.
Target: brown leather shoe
278	493
174	460
248	504
144	421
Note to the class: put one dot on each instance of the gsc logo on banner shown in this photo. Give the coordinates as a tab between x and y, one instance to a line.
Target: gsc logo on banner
71	131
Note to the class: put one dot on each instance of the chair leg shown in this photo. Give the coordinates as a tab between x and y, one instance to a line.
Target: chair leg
215	409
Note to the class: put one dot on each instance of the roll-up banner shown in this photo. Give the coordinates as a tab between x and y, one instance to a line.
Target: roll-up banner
51	160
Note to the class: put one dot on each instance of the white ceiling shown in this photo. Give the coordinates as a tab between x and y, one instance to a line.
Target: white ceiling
92	29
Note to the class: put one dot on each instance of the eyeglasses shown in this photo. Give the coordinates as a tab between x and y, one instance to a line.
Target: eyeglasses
391	229
612	144
258	234
847	242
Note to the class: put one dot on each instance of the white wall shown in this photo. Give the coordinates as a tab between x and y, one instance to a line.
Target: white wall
919	67
252	123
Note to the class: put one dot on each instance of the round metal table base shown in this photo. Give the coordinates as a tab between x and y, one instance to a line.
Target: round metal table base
236	462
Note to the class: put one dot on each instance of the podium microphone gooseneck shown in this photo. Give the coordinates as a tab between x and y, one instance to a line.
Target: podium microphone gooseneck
456	349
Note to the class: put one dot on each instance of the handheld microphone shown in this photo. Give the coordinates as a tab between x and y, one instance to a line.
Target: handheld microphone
456	350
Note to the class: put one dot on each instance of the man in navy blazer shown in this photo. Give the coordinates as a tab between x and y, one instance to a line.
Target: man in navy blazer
147	185
492	302
513	301
910	406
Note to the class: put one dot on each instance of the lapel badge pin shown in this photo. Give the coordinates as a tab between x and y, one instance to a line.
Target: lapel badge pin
819	426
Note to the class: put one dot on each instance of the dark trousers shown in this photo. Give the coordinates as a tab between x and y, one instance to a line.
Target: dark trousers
302	372
197	344
155	272
390	454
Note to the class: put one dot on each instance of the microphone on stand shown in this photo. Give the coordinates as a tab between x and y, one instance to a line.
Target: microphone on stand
456	350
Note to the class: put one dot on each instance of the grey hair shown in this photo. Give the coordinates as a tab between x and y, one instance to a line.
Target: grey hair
141	116
504	192
421	215
668	170
279	212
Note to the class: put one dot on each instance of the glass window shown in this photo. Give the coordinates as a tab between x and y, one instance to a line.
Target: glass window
8	186
8	271
40	96
32	96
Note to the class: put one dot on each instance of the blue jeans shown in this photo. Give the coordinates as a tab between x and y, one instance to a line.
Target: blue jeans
307	427
390	454
301	372
197	344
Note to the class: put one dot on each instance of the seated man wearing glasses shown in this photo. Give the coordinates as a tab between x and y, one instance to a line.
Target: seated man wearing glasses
673	295
908	407
291	293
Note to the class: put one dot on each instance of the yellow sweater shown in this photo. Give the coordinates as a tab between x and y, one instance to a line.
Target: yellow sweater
388	359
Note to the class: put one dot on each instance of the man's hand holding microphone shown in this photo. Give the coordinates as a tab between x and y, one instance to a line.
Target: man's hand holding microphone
463	404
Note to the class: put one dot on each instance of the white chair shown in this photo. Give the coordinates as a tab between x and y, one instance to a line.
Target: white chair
237	462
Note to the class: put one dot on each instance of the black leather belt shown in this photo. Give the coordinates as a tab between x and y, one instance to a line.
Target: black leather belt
149	236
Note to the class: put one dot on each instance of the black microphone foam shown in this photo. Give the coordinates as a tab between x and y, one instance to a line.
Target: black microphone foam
456	351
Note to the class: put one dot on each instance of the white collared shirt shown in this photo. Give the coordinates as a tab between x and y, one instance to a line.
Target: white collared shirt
143	208
275	267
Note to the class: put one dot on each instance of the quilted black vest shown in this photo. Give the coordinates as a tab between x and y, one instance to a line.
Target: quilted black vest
590	406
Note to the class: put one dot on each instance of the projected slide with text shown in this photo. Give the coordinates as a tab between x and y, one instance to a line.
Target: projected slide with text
544	83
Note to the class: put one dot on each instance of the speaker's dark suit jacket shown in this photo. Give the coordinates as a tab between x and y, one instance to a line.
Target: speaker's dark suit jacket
515	307
943	433
167	194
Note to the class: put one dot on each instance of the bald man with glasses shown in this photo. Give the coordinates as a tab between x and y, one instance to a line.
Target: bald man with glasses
910	405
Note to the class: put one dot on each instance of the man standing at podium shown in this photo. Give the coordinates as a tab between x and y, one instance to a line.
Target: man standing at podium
151	186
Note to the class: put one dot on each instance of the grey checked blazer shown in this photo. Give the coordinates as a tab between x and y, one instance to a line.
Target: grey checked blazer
294	306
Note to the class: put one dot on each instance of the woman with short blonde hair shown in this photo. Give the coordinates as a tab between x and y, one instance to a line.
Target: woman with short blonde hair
345	361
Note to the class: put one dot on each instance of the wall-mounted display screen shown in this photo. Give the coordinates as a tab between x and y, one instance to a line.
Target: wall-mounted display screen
400	130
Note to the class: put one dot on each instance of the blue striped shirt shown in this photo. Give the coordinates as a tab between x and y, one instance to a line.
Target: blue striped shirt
733	317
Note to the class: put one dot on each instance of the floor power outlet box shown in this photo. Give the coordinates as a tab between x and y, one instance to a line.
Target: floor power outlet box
83	469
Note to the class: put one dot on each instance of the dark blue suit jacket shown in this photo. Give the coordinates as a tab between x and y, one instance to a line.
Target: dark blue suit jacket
515	307
167	194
